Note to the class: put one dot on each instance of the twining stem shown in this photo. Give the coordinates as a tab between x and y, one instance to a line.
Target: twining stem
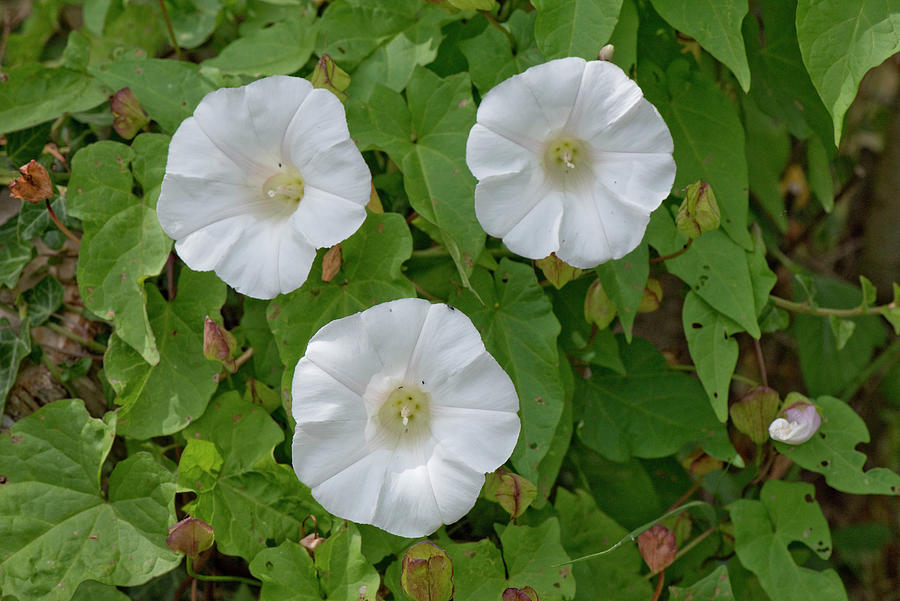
886	358
89	344
677	253
494	23
762	363
808	309
659	585
189	568
165	14
422	291
60	225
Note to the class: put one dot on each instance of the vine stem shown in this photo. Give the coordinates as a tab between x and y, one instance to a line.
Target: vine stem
677	253
165	14
189	568
89	344
762	363
807	309
494	23
659	585
60	225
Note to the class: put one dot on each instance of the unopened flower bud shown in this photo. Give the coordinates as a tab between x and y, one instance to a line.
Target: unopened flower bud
512	491
698	463
331	262
219	344
657	547
797	423
753	412
699	211
598	309
128	114
520	594
558	272
329	76
33	185
426	573
653	296
190	536
606	53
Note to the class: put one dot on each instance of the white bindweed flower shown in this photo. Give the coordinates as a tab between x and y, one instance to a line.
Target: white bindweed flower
400	412
257	179
570	159
801	420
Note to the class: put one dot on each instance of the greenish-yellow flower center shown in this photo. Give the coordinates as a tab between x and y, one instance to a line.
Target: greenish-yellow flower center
284	187
564	155
407	408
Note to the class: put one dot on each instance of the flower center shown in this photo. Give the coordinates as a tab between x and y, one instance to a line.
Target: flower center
565	155
406	410
284	187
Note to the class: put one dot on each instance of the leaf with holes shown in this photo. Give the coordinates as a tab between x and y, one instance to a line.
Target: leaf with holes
832	452
58	527
255	500
712	349
786	512
519	329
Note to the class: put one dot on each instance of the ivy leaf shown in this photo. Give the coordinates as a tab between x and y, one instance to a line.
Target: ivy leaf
490	58
519	329
786	512
712	349
716	25
14	346
715	587
437	180
351	30
370	275
281	49
58	528
624	281
45	298
840	40
715	268
14	254
649	412
33	94
254	499
162	399
586	529
123	243
709	140
168	90
832	452
575	28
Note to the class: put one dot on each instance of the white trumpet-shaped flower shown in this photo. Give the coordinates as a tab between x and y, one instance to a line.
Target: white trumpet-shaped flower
400	412
257	179
571	159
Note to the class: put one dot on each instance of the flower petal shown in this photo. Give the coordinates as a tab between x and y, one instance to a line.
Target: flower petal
202	249
248	123
642	179
319	123
340	170
641	129
269	258
406	503
482	439
193	154
318	397
538	233
394	329
455	485
325	219
527	107
447	343
502	201
599	226
605	94
342	349
482	384
489	154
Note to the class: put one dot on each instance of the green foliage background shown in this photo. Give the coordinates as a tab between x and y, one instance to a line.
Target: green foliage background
115	425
